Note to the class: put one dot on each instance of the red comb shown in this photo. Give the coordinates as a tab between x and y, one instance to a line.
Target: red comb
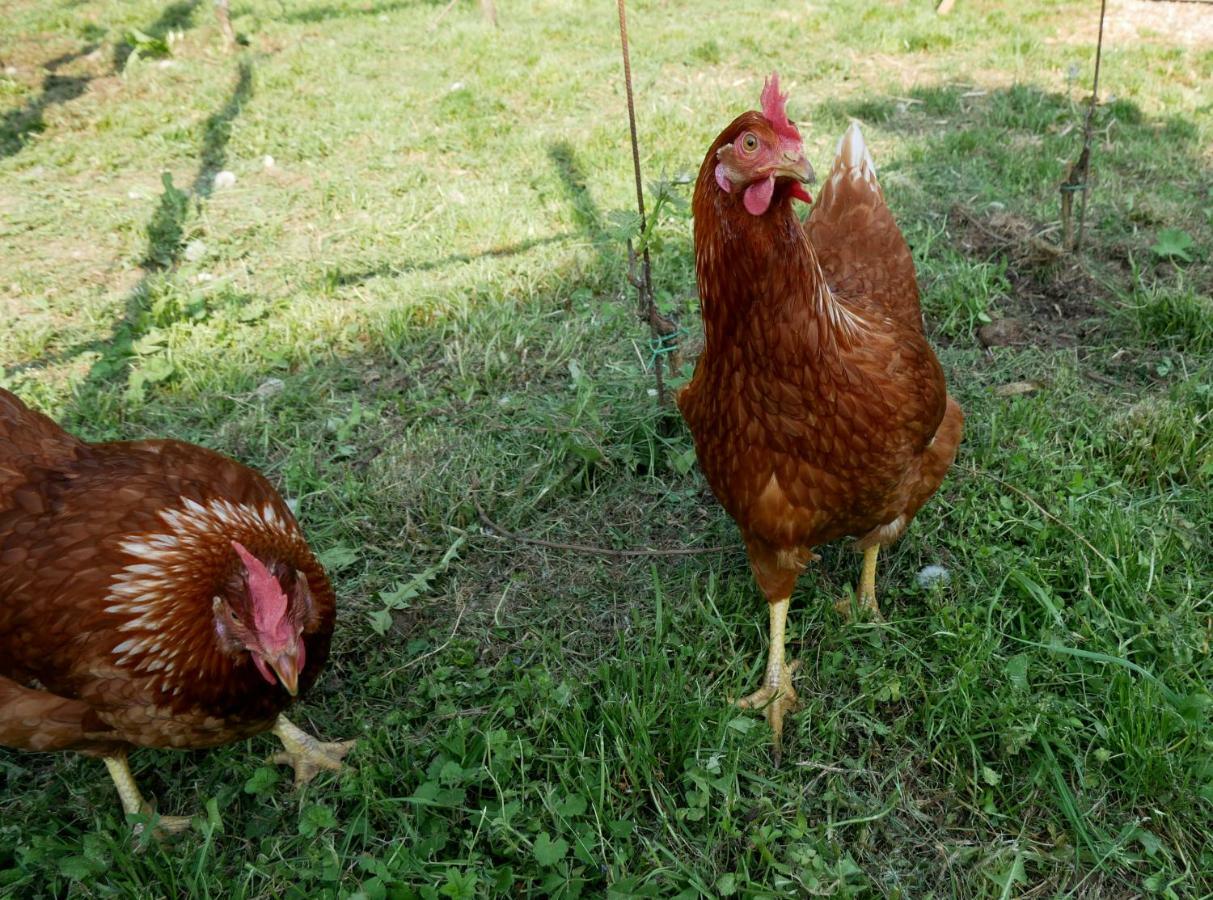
774	107
269	602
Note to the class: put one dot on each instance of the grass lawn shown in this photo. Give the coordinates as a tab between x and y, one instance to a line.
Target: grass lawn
413	300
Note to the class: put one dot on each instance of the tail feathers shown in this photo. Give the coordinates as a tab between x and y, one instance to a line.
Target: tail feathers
851	185
29	440
852	158
859	246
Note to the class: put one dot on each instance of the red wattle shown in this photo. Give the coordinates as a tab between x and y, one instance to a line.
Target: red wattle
264	669
800	193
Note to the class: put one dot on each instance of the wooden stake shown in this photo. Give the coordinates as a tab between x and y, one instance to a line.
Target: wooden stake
647	306
1077	179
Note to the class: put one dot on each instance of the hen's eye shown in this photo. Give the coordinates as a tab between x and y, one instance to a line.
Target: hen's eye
749	143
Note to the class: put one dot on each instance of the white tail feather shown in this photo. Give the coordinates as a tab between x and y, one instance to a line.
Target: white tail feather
852	153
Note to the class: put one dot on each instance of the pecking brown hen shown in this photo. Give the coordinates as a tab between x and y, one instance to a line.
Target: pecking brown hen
818	409
152	594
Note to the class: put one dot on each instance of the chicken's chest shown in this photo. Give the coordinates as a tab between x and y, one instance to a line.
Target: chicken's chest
764	391
768	409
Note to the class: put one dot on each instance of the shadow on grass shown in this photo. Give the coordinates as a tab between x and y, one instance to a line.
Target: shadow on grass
585	214
219	132
166	241
166	230
572	178
19	124
337	278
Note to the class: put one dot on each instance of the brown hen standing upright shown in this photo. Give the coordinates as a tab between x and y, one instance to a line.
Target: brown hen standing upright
152	594
818	409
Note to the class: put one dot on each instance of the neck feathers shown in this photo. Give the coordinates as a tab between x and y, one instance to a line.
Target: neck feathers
761	269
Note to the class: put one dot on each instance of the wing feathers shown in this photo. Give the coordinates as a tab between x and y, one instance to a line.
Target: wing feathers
39	720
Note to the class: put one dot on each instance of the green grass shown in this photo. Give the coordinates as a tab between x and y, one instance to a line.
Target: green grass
432	270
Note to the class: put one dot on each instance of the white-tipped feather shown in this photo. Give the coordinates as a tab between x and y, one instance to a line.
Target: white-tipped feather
852	161
144	589
852	154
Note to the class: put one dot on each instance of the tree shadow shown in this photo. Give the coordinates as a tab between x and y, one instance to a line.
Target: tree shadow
585	213
337	278
166	230
218	132
19	124
166	233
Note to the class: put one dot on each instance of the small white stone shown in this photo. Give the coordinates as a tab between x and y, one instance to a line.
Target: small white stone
224	179
10	70
455	86
167	63
267	161
203	277
652	392
929	576
134	195
195	250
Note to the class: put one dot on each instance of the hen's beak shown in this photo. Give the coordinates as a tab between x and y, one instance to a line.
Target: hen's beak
286	666
795	166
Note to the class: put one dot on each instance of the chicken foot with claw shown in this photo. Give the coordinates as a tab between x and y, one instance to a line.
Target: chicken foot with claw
306	755
776	697
133	802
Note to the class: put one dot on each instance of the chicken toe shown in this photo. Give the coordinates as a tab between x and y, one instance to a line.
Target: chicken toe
134	804
775	698
306	755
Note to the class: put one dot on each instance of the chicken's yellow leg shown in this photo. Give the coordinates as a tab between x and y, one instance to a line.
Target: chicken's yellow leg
133	802
306	755
867	581
776	696
866	595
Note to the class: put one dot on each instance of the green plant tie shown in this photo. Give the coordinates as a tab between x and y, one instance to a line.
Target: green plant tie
665	343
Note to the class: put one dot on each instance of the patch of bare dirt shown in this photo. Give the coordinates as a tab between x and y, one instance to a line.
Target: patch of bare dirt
1054	301
1185	24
